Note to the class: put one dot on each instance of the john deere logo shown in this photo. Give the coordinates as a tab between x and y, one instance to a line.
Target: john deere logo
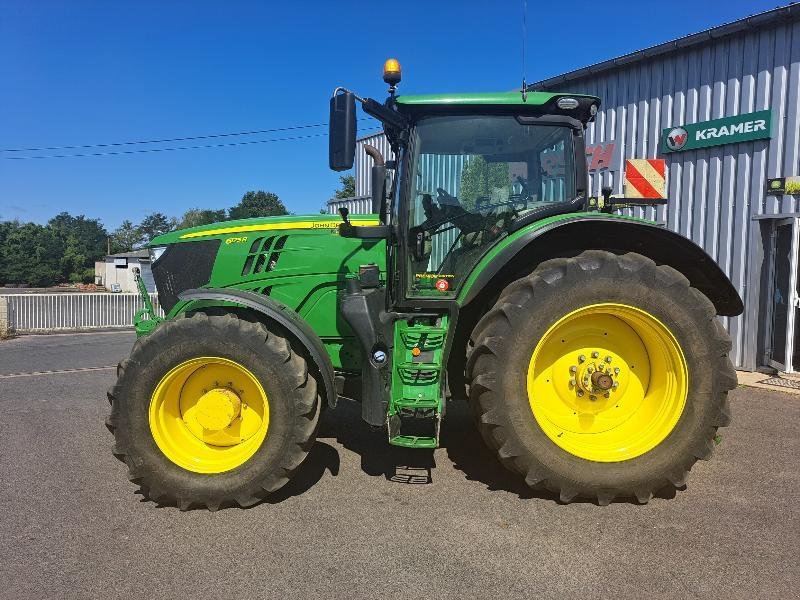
677	138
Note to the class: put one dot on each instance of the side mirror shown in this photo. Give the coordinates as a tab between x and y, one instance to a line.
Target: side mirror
342	131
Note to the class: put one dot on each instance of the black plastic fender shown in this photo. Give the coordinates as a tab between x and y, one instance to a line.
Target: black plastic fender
602	232
284	316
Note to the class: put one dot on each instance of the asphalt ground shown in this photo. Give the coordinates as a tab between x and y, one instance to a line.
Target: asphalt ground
363	519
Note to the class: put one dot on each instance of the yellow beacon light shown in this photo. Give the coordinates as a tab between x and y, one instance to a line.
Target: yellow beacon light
391	72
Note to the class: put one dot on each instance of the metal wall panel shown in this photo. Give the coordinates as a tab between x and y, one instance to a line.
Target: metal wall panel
356	206
714	193
363	163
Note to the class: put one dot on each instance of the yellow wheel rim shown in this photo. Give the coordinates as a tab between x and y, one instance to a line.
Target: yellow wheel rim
209	415
607	382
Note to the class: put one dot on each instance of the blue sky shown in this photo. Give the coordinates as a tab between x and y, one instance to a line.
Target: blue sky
83	72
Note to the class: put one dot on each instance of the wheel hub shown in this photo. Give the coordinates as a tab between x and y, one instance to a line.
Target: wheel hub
594	377
217	409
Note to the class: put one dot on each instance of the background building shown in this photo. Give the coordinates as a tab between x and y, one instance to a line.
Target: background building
117	270
699	102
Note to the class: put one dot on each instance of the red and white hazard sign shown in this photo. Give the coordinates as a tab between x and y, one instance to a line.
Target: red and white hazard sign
442	285
645	178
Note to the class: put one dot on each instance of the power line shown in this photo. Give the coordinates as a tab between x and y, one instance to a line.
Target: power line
148	150
165	140
169	140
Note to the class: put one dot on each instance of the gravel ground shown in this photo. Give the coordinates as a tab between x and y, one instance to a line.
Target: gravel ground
363	519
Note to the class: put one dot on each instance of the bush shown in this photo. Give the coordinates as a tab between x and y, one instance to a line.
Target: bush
792	185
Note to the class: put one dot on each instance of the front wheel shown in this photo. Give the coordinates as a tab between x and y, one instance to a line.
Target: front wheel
601	376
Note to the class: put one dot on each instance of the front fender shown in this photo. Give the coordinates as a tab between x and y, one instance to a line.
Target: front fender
284	316
569	235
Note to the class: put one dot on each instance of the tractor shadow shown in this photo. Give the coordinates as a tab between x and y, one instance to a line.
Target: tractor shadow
459	438
322	457
378	458
470	455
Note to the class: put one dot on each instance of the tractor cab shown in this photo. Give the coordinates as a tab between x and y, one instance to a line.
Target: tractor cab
468	170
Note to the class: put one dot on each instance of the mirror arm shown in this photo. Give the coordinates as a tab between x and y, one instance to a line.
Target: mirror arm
384	114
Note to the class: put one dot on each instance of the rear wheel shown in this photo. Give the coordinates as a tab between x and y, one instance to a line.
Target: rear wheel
601	376
213	411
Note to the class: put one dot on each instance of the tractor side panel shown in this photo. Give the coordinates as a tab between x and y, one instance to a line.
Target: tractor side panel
306	270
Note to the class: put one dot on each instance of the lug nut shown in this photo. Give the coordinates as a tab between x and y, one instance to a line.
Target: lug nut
608	359
595	354
573	369
580	393
592	397
581	358
590	370
572	381
615	386
607	395
616	371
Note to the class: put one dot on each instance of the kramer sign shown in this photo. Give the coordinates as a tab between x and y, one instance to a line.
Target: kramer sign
728	130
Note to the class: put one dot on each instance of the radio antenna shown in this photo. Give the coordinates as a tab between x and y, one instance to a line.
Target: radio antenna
524	35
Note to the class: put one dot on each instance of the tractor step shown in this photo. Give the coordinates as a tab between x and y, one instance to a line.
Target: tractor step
415	428
413	441
416	405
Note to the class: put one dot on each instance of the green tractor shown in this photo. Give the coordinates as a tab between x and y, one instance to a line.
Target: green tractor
586	342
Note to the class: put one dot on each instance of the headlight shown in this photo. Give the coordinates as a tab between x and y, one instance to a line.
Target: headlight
155	253
567	103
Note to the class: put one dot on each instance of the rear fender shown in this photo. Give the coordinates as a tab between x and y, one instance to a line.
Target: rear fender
572	235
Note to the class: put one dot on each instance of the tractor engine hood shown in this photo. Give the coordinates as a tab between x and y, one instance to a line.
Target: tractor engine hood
246	252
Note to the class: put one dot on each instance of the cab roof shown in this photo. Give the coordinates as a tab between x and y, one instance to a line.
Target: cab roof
534	103
493	98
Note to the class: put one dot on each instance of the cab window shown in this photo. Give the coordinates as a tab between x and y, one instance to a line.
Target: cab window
471	177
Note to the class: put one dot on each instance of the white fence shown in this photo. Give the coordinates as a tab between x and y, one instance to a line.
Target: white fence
67	311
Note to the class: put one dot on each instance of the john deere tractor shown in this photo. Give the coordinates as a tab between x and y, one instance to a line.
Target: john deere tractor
586	342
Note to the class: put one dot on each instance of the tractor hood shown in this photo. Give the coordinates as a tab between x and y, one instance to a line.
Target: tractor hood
243	227
251	253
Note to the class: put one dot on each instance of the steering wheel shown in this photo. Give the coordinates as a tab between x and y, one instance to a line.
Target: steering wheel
445	198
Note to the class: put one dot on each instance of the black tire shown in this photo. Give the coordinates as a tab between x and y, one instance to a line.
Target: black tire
294	407
503	341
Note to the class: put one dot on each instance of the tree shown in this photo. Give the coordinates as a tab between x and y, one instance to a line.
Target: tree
154	225
84	242
31	254
125	238
347	189
479	178
200	216
258	204
6	227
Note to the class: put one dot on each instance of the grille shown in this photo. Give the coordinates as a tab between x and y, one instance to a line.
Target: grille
183	267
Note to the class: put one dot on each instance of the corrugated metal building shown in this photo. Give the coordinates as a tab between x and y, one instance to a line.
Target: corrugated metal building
717	193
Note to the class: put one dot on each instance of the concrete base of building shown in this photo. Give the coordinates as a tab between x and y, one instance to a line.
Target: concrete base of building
776	383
